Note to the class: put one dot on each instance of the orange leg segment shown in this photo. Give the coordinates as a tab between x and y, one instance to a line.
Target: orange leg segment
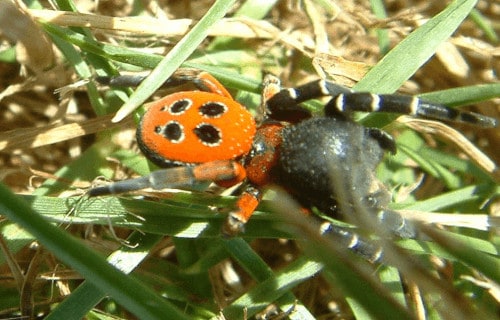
245	207
207	82
225	172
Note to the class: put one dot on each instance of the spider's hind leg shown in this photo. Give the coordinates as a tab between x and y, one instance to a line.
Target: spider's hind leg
201	80
350	240
391	220
223	172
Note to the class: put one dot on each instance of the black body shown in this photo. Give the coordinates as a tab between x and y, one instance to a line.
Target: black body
321	155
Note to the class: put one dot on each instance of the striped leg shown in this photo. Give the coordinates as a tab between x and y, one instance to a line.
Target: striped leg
308	91
344	100
283	104
390	220
353	242
367	102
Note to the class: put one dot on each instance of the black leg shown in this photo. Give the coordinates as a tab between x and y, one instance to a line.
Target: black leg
353	242
367	102
385	140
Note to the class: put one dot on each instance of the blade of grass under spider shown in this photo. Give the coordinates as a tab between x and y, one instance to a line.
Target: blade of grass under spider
175	58
164	219
127	291
184	216
77	170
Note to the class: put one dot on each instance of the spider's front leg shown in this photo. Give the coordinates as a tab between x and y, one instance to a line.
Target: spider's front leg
225	172
345	100
284	104
410	105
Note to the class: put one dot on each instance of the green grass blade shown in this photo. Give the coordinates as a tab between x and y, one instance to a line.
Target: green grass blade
87	295
114	53
464	95
486	264
185	215
148	61
271	289
431	167
255	9
411	53
246	257
341	268
485	25
134	296
447	199
175	58
384	42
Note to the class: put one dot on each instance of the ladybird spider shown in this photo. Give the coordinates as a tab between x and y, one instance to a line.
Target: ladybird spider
207	136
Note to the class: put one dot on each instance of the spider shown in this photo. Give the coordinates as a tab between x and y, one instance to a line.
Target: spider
207	136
